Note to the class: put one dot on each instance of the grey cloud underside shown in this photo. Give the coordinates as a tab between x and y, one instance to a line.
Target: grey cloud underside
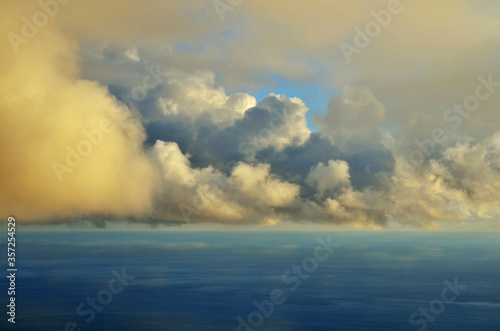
158	74
208	144
258	162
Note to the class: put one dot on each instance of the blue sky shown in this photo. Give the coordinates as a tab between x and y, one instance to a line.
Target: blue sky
315	96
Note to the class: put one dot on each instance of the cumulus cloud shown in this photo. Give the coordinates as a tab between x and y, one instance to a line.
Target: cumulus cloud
192	194
329	176
256	183
248	195
355	113
197	96
59	160
459	183
137	115
288	127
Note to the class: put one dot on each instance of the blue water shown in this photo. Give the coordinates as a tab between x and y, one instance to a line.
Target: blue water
206	280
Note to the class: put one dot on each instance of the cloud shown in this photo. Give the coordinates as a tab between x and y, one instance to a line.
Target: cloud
196	95
355	113
248	195
257	184
145	113
49	114
193	194
460	183
329	176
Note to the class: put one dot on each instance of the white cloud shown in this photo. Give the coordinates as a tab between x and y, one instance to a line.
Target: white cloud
355	113
257	184
328	177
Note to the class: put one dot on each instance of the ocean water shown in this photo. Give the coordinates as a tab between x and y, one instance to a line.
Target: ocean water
207	280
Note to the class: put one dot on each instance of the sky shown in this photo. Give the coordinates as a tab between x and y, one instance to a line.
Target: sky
261	115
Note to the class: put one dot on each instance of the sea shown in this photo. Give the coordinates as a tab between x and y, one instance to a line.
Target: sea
244	281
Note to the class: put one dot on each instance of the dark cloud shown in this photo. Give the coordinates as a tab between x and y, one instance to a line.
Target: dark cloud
296	161
368	168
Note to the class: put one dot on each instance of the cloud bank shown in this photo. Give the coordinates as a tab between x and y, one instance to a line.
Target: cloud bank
105	120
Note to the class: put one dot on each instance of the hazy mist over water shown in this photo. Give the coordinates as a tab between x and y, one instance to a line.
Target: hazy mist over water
206	280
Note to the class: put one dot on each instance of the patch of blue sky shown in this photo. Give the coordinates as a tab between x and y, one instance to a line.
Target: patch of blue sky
315	96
